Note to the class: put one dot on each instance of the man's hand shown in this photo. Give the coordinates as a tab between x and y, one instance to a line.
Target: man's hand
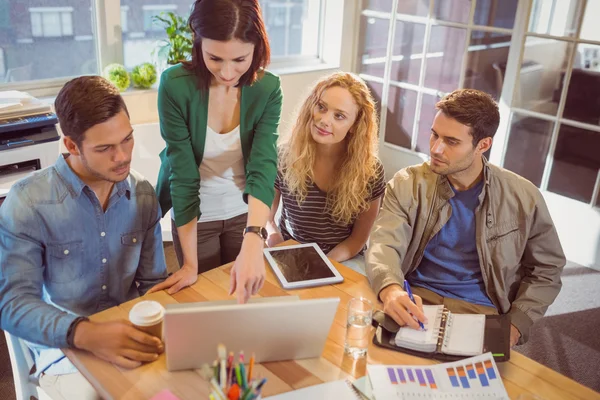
117	342
186	276
248	272
515	335
397	304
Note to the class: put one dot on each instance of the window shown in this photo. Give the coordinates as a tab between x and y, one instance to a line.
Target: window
2	65
51	21
416	58
550	92
290	28
124	25
554	128
47	43
144	35
287	23
555	17
150	11
56	43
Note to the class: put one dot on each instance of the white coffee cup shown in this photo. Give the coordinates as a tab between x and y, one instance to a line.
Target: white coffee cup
148	316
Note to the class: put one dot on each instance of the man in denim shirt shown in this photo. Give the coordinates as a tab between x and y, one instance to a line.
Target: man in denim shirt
77	238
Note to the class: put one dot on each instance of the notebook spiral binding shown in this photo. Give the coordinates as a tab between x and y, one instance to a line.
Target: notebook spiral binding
439	322
445	325
359	395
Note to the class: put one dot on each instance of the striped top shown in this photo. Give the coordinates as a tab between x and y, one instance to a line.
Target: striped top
311	221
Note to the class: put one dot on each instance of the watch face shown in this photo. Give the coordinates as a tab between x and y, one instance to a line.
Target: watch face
262	232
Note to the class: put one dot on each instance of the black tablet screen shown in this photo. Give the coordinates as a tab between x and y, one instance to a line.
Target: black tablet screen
301	264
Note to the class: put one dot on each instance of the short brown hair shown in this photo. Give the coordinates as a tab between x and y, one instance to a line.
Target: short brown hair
473	108
84	102
224	20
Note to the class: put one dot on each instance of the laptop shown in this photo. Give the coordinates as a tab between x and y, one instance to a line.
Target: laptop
271	328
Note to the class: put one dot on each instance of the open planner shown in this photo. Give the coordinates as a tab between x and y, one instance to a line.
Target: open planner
447	335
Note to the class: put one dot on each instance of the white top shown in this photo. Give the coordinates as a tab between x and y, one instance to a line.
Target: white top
222	176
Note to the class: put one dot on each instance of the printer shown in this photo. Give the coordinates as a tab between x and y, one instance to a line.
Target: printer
29	140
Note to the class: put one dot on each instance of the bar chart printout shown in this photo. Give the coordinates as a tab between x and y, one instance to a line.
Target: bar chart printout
471	378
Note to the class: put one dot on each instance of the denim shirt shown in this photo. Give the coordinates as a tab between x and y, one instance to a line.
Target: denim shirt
63	256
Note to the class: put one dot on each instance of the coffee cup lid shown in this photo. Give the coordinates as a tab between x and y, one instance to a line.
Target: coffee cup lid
146	313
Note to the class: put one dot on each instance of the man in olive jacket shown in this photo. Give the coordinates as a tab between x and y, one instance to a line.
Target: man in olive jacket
463	232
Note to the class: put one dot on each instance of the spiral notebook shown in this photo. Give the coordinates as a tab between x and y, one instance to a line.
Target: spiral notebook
446	332
447	336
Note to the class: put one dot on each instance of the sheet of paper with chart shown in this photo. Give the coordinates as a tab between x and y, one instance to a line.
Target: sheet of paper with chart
471	378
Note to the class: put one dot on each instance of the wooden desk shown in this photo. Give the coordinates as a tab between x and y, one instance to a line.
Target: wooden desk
520	374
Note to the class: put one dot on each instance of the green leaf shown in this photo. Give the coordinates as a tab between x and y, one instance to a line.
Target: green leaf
178	45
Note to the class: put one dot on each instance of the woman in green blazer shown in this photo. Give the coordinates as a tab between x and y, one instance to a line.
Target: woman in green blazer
219	116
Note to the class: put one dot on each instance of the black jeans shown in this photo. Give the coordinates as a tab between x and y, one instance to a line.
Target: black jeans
219	242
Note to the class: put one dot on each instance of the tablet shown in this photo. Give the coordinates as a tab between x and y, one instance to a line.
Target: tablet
302	265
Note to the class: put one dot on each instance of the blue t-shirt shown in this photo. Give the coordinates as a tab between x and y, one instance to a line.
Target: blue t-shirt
450	265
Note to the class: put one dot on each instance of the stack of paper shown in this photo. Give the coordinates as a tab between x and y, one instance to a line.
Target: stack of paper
13	99
15	103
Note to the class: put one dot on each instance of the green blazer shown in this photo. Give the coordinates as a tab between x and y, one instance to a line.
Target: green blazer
183	114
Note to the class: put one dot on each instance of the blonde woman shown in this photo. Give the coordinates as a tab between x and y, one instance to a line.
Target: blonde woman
330	181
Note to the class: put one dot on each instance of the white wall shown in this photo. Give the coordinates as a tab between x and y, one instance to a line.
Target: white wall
394	159
578	227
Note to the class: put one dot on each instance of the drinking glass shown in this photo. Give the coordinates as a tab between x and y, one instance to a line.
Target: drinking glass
358	327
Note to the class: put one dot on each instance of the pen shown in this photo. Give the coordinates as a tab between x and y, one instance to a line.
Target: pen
216	369
250	367
258	389
254	390
238	375
410	295
243	376
260	385
229	369
249	391
217	389
221	350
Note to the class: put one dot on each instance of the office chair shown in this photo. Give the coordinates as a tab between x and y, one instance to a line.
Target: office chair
21	363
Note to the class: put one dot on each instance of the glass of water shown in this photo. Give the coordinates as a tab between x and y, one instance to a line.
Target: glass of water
358	327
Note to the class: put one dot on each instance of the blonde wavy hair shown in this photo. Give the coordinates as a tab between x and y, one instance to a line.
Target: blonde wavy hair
349	194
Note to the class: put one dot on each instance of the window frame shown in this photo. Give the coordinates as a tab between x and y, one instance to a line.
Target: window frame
155	9
509	108
522	30
3	70
45	11
429	22
109	46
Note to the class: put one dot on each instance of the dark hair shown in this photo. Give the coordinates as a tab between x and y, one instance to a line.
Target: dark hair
84	102
224	20
473	108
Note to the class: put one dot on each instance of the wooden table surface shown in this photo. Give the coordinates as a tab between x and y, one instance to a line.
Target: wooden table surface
520	374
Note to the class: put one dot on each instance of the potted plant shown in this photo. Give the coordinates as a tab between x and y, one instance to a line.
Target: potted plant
143	76
117	75
178	45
